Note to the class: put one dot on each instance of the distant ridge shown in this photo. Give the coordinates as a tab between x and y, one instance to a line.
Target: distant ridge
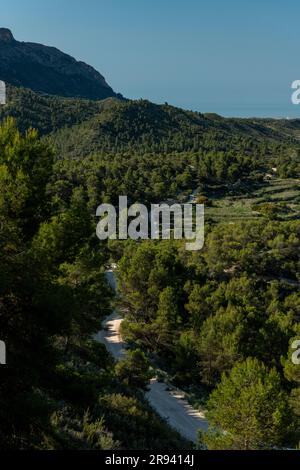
48	70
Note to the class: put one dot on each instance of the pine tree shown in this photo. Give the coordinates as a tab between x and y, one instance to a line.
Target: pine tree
249	410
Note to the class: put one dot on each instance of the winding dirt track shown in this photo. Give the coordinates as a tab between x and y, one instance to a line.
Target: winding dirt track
170	404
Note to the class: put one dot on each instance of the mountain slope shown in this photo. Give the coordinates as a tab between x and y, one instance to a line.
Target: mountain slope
144	126
83	126
48	113
48	70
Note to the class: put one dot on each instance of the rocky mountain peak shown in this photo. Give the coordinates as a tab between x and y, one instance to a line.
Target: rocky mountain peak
6	35
49	71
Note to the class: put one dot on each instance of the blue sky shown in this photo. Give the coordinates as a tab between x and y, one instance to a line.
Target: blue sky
234	57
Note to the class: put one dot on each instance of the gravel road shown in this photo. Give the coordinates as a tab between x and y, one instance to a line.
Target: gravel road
170	404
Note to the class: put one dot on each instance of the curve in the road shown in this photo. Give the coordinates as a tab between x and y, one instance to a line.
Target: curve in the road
170	404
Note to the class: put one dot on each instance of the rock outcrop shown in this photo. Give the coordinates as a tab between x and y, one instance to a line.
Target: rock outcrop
48	70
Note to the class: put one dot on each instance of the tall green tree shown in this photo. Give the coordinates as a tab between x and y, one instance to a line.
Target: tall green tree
249	410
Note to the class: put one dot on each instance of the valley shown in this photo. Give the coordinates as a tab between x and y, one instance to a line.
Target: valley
210	329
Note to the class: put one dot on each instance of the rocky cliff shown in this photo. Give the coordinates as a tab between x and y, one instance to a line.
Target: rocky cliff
48	70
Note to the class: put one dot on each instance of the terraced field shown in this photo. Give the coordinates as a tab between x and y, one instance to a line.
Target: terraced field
283	194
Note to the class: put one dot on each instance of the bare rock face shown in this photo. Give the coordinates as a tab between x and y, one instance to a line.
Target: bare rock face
47	70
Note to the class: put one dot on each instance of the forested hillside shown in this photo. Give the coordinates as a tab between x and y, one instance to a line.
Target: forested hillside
215	320
169	150
141	125
202	314
59	389
47	113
